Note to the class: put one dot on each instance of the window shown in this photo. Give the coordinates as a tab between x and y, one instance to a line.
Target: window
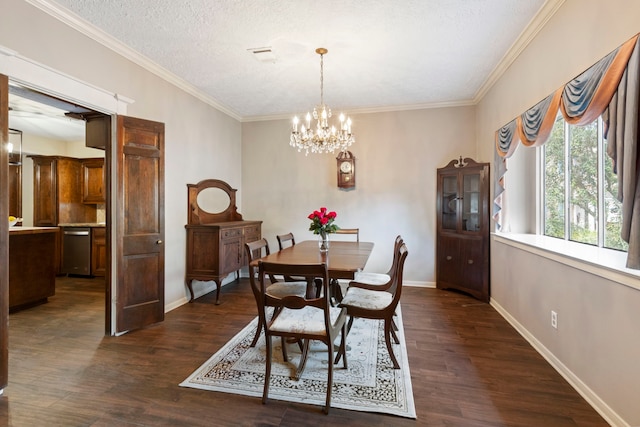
579	187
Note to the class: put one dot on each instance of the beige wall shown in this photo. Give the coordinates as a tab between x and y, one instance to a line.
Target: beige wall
200	141
397	154
598	339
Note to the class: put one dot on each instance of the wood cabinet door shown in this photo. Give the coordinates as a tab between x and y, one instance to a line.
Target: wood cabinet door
231	251
139	226
93	181
45	197
448	260
473	267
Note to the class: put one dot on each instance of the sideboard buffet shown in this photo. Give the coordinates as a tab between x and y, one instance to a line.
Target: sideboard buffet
215	240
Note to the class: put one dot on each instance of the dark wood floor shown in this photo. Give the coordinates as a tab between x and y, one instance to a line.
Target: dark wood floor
468	367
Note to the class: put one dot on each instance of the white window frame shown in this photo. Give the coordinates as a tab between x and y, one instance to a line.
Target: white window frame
540	203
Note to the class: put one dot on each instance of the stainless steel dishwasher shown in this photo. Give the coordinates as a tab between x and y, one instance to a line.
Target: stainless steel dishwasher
76	250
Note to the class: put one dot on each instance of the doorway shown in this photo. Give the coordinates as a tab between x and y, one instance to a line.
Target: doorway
53	128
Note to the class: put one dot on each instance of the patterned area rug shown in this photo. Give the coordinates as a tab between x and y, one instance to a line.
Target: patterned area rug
370	384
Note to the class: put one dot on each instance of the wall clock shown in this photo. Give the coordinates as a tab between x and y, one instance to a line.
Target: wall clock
346	169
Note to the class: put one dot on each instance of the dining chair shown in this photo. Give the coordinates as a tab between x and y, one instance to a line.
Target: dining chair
303	318
354	231
284	238
372	302
381	279
284	241
255	250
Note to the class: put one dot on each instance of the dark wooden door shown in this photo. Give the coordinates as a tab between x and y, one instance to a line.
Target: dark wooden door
139	228
4	232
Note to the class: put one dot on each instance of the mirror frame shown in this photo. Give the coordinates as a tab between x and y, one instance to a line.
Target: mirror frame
198	216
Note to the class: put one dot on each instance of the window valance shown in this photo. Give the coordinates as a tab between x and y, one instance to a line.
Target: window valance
610	88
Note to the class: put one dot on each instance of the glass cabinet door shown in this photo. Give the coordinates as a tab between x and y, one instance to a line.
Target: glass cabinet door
471	211
449	202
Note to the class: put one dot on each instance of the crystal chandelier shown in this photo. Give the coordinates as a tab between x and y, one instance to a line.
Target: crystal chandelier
324	138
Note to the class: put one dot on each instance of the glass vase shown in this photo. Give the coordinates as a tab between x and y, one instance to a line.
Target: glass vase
323	242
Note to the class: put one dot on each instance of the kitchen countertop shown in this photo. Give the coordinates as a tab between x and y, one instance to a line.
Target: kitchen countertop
32	230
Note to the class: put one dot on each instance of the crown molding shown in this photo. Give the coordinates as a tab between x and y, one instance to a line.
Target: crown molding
547	10
120	48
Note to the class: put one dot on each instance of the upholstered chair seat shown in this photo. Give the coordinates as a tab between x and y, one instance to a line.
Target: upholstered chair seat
367	299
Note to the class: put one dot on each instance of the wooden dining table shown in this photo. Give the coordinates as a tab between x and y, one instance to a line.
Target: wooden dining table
343	259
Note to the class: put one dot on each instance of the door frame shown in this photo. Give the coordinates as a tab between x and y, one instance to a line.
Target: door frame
54	83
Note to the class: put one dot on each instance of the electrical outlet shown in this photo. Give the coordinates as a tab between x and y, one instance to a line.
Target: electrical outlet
554	319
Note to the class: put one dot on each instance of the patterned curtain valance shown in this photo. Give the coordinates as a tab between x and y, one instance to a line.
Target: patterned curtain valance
581	101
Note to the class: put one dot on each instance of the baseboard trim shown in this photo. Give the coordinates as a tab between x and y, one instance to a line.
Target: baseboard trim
418	284
589	395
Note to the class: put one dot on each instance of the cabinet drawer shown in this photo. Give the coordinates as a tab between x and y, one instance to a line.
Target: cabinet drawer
252	233
231	233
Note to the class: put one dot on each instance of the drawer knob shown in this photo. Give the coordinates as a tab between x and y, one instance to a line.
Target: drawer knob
448	257
158	242
470	261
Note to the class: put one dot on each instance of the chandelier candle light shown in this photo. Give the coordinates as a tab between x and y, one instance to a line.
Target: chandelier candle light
325	138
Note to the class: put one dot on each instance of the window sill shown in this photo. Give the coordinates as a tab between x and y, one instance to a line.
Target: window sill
605	263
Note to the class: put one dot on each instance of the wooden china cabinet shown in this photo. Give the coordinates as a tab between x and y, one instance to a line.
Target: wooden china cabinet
216	233
462	260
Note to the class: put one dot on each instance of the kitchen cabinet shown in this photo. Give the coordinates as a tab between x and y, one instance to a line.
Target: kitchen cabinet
462	240
215	240
32	265
93	181
98	251
97	130
57	192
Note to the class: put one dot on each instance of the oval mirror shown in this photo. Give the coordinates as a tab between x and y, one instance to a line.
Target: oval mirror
213	200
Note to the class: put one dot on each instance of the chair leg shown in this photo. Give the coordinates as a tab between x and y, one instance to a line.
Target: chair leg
387	338
267	373
258	332
350	323
303	358
329	378
283	344
393	332
342	352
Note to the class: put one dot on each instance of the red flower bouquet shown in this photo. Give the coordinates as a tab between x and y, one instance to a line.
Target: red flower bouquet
322	222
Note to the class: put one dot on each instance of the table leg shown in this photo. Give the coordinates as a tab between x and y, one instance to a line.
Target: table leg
335	292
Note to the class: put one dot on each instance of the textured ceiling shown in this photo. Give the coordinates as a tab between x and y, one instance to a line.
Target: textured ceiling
383	54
